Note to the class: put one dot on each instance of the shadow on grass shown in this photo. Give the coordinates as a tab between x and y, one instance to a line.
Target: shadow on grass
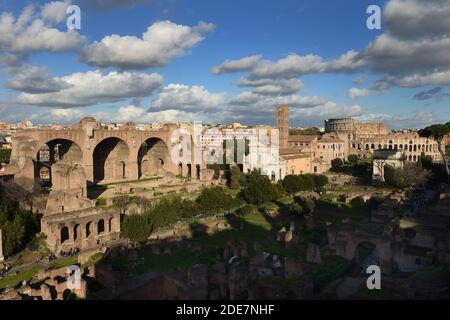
206	246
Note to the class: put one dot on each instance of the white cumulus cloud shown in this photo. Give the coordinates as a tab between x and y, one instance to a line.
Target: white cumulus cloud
30	33
92	87
243	64
356	93
55	11
163	41
194	98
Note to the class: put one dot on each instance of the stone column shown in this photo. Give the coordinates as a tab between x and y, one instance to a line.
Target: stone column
106	224
85	235
88	165
132	171
71	233
132	165
82	232
1	247
94	228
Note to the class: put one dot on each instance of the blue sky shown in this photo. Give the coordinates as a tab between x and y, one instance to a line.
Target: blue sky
294	44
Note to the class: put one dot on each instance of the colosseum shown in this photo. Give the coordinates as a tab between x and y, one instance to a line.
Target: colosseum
362	138
340	125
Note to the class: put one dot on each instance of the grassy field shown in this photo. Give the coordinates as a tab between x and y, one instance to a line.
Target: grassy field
14	280
65	263
335	212
256	227
131	181
28	274
341	190
258	220
93	259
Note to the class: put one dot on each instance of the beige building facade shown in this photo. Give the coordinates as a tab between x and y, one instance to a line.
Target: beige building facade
304	143
363	138
346	136
297	163
410	143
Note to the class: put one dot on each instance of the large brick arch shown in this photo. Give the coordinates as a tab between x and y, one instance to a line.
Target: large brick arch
111	160
88	134
26	144
153	156
56	149
66	147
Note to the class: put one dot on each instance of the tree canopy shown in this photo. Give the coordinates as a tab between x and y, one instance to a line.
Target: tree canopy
5	155
336	163
259	189
409	175
303	182
437	132
18	227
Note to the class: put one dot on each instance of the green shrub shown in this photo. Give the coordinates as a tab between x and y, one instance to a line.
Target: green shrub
247	209
18	226
307	204
353	158
295	208
215	200
410	174
389	175
306	182
259	189
295	183
236	177
363	170
136	227
189	209
171	210
5	155
336	163
100	202
165	213
290	184
320	180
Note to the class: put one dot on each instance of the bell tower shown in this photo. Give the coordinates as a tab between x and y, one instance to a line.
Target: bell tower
282	124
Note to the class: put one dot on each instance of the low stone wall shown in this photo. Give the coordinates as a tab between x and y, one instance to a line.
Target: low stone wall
49	285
